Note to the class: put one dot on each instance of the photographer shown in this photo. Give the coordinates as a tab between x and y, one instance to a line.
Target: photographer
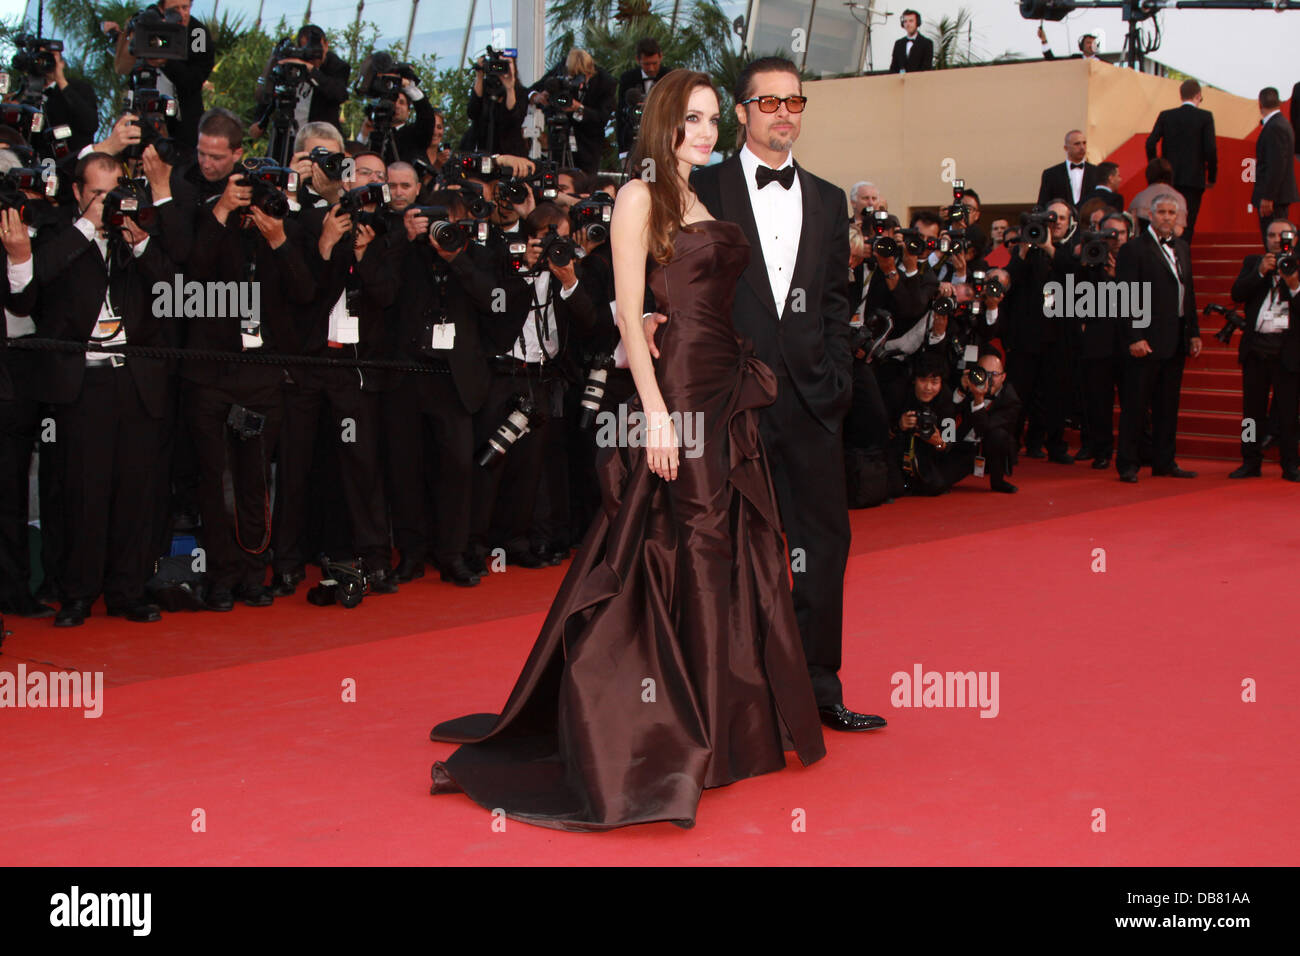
345	318
922	454
905	285
390	91
497	105
449	321
1038	347
93	283
634	86
1269	353
233	409
966	319
181	79
989	409
321	91
578	98
506	493
430	161
67	102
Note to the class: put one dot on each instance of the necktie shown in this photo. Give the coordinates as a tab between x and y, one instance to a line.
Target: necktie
766	174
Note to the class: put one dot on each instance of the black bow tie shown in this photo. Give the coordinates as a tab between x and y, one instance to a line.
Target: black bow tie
1076	165
1167	242
766	174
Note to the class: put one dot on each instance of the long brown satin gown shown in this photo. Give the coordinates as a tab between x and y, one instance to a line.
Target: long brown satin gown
682	583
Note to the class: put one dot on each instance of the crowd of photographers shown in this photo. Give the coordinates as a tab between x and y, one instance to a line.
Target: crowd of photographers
440	324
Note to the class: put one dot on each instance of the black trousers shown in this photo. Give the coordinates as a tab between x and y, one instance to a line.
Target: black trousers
867	423
807	464
1042	381
355	417
236	554
1260	375
1153	384
19	424
108	446
1193	196
430	439
1101	376
506	491
550	526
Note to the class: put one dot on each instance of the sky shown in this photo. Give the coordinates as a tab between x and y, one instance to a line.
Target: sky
1238	51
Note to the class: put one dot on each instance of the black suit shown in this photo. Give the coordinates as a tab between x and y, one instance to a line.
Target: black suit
589	132
74	106
1268	362
1275	169
329	84
630	80
921	57
802	431
19	422
1055	183
1154	381
1185	135
108	419
994	426
188	76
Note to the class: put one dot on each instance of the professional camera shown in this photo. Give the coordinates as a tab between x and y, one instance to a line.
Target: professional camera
546	180
130	200
156	35
593	392
35	55
886	247
28	120
269	181
479	208
1095	246
1233	321
450	235
926	422
495	66
522	418
958	211
563	91
330	163
383	79
152	110
633	108
558	250
871	334
978	375
956	242
245	423
286	77
593	214
1287	263
917	244
478	165
874	222
374	194
30	211
517	257
344	583
944	305
29	178
1036	226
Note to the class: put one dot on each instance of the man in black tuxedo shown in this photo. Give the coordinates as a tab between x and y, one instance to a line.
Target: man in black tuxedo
988	413
94	286
1087	47
792	304
1159	342
912	53
648	71
1269	353
1275	186
1072	179
1186	138
320	96
1107	188
71	103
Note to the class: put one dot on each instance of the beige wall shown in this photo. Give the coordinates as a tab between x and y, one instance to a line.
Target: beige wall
999	125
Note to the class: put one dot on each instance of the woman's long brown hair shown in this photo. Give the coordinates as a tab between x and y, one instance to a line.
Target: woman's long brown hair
663	129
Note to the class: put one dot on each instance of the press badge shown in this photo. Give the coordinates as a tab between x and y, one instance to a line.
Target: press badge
348	331
979	466
1049	300
972	355
444	335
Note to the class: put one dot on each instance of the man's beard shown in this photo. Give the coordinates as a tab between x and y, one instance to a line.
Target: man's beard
782	145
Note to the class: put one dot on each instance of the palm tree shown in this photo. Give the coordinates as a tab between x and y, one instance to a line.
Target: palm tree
953	44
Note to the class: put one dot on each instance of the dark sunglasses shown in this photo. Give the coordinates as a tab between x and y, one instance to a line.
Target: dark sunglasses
769	104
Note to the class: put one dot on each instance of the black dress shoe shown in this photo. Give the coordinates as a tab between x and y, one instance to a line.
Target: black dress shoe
839	717
73	613
526	559
1175	472
1101	464
285	583
408	570
458	574
1131	476
1035	453
141	612
1084	454
1061	458
219	599
256	596
477	564
1246	471
24	605
1291	474
1005	487
382	581
552	556
48	594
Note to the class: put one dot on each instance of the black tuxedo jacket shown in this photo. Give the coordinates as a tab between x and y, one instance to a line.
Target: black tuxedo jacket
76	107
598	103
921	58
1275	163
813	344
16	367
188	76
1140	260
475	275
1251	289
71	280
329	92
1186	138
628	80
999	413
1055	183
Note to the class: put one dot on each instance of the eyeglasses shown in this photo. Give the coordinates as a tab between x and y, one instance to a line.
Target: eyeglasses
769	104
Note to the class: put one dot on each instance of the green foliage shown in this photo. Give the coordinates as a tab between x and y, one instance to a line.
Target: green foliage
953	43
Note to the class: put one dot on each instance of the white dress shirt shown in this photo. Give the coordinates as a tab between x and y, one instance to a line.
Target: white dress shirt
20	274
778	215
1273	315
1076	180
108	315
1172	261
528	347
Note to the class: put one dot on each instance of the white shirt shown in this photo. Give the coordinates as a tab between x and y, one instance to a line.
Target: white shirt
107	313
20	274
1172	261
1273	315
527	347
647	81
1076	180
1268	116
778	215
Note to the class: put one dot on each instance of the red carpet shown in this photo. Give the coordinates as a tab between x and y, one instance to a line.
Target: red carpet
1118	690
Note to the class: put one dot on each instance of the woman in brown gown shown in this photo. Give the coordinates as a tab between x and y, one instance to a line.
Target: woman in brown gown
670	660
